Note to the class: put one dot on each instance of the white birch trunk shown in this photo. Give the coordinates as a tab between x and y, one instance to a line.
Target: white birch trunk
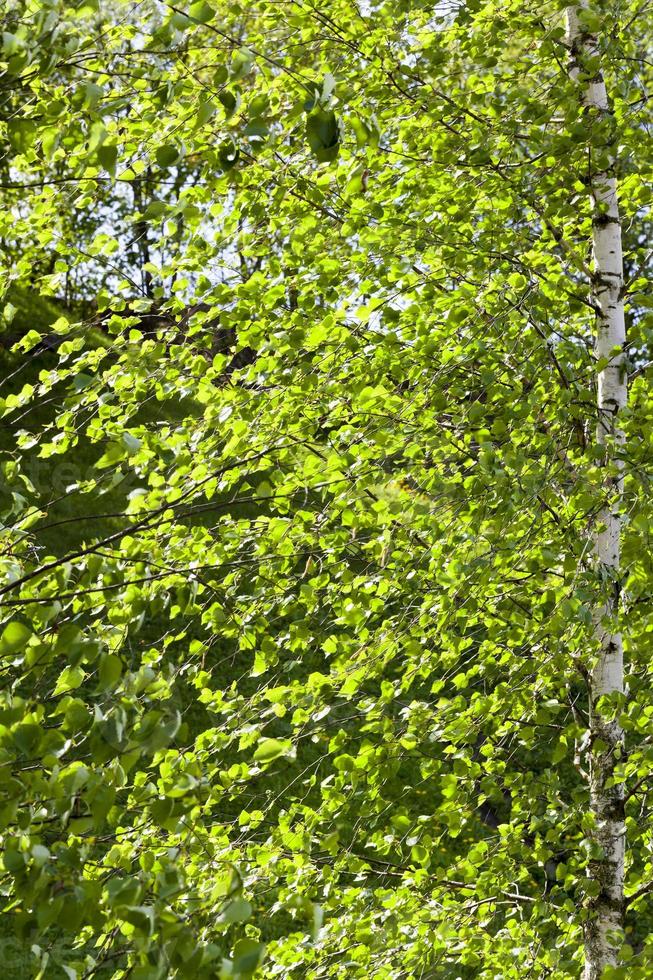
603	931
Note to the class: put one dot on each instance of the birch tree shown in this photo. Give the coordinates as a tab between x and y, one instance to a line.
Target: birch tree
604	930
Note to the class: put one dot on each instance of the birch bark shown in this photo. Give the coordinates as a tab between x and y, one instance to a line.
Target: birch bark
603	929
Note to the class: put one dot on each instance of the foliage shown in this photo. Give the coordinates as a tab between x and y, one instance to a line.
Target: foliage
298	489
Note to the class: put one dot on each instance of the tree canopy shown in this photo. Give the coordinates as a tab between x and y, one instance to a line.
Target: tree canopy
301	482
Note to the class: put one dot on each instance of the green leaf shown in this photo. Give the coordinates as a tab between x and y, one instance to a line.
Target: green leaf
141	917
228	155
206	110
131	442
366	130
15	637
27	737
246	956
13	859
21	133
241	62
122	890
323	132
202	12
155	210
168	155
69	679
92	94
107	155
256	130
82	380
269	749
11	44
110	671
237	911
259	105
229	102
180	21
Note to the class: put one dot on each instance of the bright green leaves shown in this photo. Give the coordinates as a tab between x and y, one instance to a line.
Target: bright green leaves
270	749
15	638
69	679
202	12
324	134
303	670
366	130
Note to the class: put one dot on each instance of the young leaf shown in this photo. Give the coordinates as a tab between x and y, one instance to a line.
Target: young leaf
269	749
323	132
